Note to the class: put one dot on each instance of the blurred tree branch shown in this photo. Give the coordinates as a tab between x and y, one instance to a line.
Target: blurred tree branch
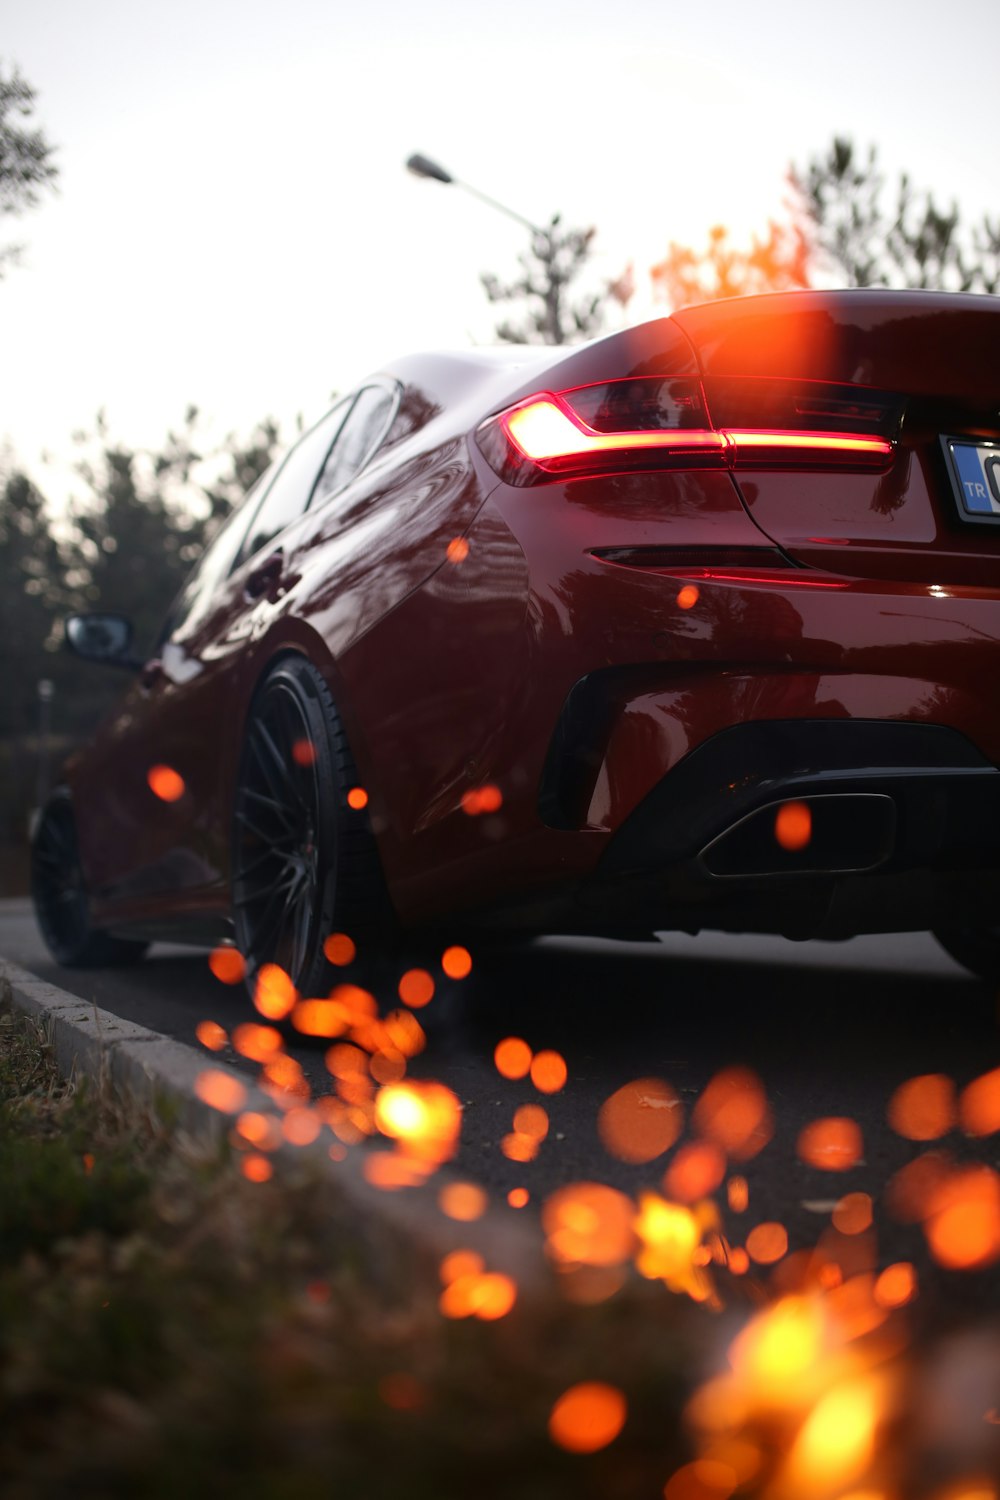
556	259
25	156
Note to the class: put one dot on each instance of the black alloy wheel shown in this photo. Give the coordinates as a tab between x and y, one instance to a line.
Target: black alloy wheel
62	907
304	862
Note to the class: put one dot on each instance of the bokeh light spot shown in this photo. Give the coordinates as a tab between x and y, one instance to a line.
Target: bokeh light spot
548	1072
463	1201
457	549
688	596
256	1168
696	1170
211	1035
512	1057
416	988
896	1286
979	1107
705	1479
220	1090
456	962
767	1243
339	950
518	1197
227	965
587	1417
923	1109
853	1214
733	1111
274	993
357	798
304	753
166	783
793	826
833	1144
641	1120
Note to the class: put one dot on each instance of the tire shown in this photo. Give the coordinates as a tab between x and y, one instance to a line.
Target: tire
304	862
975	948
62	906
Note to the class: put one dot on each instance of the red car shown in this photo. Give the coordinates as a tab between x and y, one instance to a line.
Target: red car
694	626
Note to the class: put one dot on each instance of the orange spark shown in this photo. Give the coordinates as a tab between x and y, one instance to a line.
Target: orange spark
227	964
258	1043
456	962
531	1120
211	1035
696	1170
705	1479
588	1223
517	1147
548	1072
833	1144
587	1417
641	1120
463	1201
483	799
301	1126
274	993
733	1111
738	1194
688	596
357	798
853	1214
979	1107
457	549
304	753
424	1117
259	1130
512	1057
416	988
767	1243
897	1285
220	1090
461	1263
518	1197
923	1109
963	1230
339	950
793	825
164	782
256	1168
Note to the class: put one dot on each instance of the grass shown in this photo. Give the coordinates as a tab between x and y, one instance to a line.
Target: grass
168	1328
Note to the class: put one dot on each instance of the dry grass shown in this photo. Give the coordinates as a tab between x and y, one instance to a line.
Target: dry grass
167	1328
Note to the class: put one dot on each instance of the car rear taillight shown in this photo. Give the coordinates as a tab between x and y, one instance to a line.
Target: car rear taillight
658	423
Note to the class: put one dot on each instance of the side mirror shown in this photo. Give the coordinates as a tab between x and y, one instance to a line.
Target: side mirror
103	638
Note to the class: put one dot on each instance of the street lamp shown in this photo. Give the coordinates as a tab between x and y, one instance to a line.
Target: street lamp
422	166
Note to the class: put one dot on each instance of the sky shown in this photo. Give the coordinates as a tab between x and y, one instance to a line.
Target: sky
234	227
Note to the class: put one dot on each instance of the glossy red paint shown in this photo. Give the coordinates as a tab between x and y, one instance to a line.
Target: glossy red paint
584	689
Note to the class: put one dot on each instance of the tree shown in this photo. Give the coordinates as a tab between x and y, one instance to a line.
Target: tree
25	156
872	235
556	259
774	264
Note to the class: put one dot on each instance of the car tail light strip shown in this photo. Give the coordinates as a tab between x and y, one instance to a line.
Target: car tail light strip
545	438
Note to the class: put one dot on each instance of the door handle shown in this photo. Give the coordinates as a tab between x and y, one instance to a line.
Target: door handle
265	578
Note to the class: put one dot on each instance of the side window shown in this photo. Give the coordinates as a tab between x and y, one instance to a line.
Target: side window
195	599
288	495
365	427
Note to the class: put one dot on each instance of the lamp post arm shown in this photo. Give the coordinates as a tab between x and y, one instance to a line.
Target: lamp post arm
502	207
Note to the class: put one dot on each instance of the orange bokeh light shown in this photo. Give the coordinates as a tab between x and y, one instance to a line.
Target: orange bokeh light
853	1214
767	1243
211	1035
589	1224
512	1057
688	596
339	950
733	1111
963	1228
227	965
641	1120
518	1197
738	1194
793	825
304	753
416	988
424	1117
461	1263
259	1130
696	1170
896	1286
300	1126
319	1018
464	1201
979	1106
531	1120
166	783
833	1144
456	962
705	1479
457	549
256	1168
258	1043
274	993
482	799
587	1417
357	798
518	1147
220	1090
548	1072
923	1109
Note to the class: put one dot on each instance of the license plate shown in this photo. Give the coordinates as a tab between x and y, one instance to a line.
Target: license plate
975	478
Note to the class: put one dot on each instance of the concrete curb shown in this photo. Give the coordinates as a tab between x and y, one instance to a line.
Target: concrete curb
155	1072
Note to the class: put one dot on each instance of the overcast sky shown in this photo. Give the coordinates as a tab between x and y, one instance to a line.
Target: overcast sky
234	227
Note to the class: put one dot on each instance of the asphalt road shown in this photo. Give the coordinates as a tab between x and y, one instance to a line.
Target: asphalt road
831	1029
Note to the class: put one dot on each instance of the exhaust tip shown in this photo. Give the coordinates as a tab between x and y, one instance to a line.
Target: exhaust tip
841	833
